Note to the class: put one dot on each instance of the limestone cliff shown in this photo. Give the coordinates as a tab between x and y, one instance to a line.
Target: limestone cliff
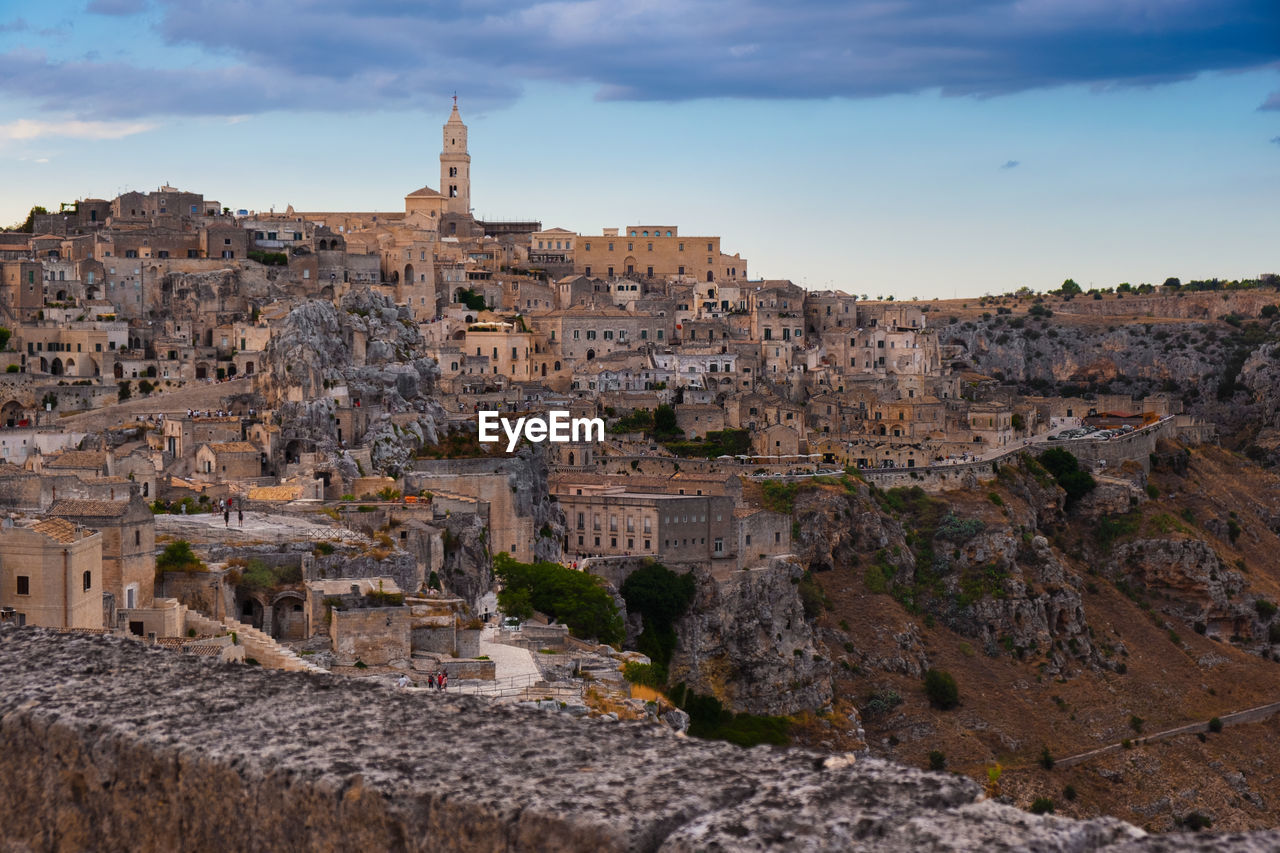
746	641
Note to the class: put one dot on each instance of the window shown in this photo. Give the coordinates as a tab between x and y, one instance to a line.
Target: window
137	537
681	270
88	581
718	546
650	247
24	585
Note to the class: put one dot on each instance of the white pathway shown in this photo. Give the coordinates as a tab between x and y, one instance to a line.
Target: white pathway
510	662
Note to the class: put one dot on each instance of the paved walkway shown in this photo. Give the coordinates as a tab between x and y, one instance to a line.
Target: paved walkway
509	661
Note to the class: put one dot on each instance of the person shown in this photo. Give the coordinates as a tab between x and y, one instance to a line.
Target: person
226	518
444	680
240	514
403	682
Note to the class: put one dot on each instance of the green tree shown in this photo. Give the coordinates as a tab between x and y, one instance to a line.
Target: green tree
1069	287
472	300
28	225
125	392
577	599
1066	470
661	597
664	421
5	334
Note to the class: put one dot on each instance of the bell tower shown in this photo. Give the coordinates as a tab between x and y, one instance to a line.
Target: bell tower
455	165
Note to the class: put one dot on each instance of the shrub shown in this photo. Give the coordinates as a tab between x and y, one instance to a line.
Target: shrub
881	702
324	549
937	760
1233	530
13	368
1135	723
1265	609
1046	759
1196	822
1153	491
1126	744
941	688
995	499
1069	793
647	674
1215	725
1042	805
178	557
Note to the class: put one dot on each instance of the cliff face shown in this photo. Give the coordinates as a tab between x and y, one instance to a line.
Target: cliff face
368	346
1222	371
746	641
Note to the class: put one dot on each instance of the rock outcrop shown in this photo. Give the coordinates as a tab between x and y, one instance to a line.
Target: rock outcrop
108	745
746	641
366	352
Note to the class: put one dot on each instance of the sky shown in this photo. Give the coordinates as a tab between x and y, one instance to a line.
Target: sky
882	147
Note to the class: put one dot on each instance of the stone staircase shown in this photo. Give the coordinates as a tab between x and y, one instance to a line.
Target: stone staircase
257	645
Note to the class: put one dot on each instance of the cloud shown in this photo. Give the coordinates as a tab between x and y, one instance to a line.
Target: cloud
1011	164
119	8
1276	140
17	25
1272	102
338	56
27	128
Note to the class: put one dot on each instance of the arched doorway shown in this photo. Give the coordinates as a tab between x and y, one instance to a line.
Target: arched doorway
202	371
10	413
288	620
71	367
408	274
118	370
248	368
55	367
231	369
591	354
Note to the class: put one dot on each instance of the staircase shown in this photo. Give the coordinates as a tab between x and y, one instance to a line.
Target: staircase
257	645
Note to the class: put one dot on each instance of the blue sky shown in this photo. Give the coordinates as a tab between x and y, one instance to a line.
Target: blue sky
879	146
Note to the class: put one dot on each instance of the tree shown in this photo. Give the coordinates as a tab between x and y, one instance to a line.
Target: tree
5	334
577	599
125	392
664	421
661	597
1066	470
1069	287
28	225
1172	283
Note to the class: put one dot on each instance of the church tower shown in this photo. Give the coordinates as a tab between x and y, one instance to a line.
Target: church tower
455	165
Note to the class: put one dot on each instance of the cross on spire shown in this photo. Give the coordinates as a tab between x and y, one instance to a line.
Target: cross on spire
455	99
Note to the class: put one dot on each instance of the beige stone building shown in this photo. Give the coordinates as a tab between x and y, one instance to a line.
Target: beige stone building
51	572
128	530
656	251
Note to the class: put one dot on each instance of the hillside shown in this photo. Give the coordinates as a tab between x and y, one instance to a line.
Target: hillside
1060	626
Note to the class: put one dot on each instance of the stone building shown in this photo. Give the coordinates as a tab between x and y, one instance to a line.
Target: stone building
51	573
128	530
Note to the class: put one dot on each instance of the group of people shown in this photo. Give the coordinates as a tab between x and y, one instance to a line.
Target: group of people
224	504
435	680
216	413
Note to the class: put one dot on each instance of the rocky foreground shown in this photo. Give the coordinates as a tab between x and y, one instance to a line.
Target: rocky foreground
109	745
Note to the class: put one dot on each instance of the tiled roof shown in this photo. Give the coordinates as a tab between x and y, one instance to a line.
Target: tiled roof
78	459
75	508
59	529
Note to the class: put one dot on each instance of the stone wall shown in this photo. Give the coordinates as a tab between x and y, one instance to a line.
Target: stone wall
109	745
376	636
